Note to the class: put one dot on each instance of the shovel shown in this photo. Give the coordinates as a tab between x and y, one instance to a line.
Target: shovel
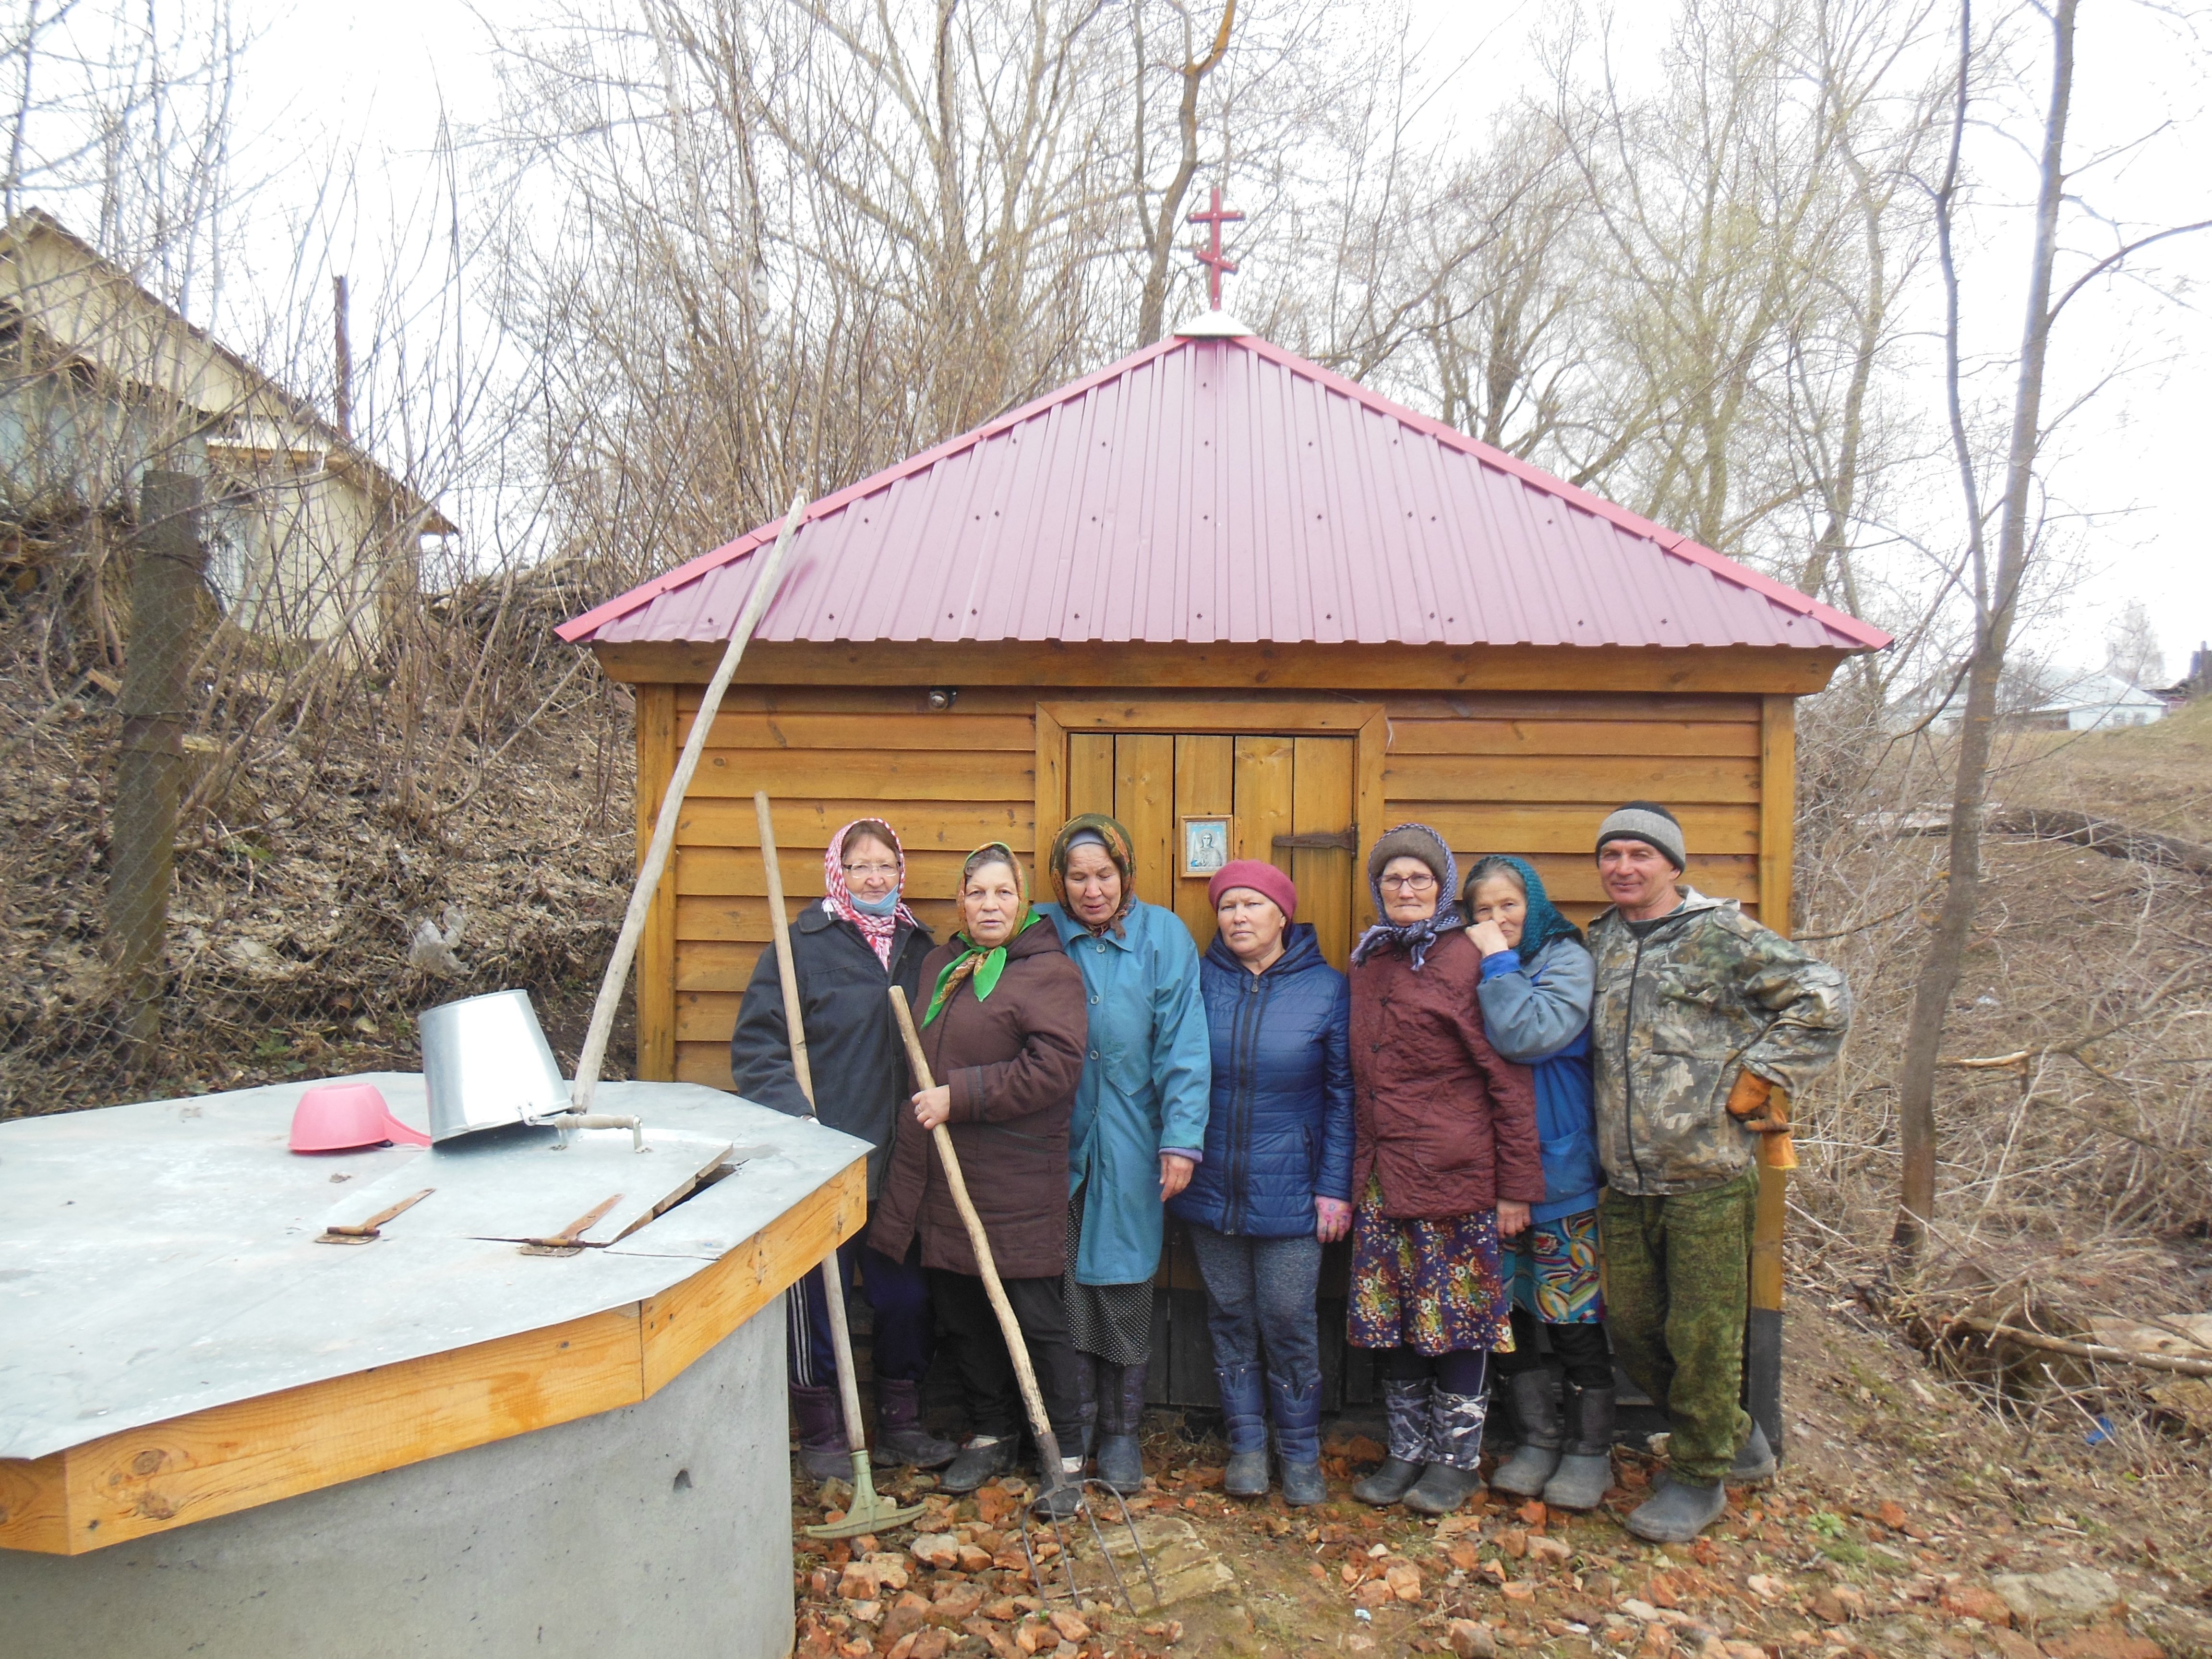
1056	1482
867	1512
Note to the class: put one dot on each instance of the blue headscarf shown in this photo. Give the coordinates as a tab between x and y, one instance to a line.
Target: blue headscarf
1543	923
1415	937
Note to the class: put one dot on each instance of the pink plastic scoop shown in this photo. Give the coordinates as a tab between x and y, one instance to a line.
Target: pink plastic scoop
339	1117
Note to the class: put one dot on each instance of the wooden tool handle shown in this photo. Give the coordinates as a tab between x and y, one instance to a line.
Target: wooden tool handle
1040	1424
794	1025
659	850
363	1229
780	929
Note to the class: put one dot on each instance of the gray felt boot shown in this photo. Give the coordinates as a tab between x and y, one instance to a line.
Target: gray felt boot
1407	1405
901	1436
1677	1512
1586	1472
1524	1473
1754	1459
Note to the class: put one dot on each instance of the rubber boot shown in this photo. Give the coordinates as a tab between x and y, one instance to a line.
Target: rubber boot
1407	1405
1754	1459
1120	1409
1585	1472
901	1439
1244	1424
822	1452
1524	1473
1297	1412
1086	1400
1677	1512
1454	1472
981	1460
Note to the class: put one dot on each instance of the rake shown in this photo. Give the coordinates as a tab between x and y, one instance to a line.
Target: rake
1060	1499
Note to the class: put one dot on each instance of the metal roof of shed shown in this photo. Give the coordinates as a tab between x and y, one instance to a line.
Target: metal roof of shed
1211	490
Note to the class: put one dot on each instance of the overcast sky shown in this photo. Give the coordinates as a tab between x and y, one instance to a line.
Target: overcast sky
2131	462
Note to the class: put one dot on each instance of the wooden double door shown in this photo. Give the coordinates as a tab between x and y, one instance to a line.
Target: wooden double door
1291	800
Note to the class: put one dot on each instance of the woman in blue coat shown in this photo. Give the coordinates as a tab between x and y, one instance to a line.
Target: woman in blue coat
1140	1120
1536	993
1276	1183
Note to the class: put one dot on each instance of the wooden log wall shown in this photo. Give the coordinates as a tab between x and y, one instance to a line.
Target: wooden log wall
1528	773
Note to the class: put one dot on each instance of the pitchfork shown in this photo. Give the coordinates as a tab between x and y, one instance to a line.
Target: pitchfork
1056	1483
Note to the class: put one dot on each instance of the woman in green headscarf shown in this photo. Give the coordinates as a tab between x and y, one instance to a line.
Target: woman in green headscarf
1140	1125
1003	1031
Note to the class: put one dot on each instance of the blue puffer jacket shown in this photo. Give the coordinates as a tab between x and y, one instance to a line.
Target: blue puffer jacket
1281	1128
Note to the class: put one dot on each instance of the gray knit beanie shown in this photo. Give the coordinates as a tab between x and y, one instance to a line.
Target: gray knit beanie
1649	822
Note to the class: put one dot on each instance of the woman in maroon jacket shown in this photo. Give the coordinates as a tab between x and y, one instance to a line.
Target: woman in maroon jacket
1003	1032
1445	1160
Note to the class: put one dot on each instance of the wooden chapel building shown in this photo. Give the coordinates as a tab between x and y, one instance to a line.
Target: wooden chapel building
1249	607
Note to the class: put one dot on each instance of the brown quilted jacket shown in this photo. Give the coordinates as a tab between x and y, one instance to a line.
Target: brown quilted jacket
1012	1062
1448	1125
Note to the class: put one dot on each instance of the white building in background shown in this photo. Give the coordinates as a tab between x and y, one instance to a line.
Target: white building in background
307	535
2096	703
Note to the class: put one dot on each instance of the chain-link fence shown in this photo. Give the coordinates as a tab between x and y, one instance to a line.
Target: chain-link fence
239	853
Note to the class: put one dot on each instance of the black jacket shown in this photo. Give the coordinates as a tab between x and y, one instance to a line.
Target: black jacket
853	1042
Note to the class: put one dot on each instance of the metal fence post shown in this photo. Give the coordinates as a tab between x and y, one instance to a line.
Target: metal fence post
165	608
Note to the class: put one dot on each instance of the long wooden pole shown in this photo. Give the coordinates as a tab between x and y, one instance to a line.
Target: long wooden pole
1040	1424
833	1281
664	829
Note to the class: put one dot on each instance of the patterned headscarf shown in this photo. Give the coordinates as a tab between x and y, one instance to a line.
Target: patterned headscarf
837	899
972	960
1543	923
1119	848
1410	841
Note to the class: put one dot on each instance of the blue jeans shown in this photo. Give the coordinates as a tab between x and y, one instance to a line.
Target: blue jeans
1260	1293
905	1328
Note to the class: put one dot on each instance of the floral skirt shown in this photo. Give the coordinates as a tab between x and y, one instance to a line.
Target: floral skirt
1428	1285
1551	1271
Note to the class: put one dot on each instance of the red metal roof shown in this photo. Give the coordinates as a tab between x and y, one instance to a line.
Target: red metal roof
1221	490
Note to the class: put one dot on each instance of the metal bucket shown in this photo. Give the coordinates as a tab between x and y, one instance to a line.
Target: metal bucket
486	1062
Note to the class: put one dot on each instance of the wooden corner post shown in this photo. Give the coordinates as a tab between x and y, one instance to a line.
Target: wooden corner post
1778	817
656	952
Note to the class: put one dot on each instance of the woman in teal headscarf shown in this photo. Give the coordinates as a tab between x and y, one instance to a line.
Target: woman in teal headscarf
1139	1120
1536	993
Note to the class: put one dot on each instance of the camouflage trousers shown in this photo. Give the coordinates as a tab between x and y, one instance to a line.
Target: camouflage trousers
1677	1284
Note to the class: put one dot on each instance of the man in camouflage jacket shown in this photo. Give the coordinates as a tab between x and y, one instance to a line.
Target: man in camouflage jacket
1705	1023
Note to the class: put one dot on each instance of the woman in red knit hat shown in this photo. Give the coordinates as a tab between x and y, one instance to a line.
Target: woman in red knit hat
1276	1182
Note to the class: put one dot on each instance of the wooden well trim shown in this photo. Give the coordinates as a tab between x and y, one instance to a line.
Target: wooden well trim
250	1452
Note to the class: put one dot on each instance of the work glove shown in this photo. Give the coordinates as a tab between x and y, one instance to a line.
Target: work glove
1754	1103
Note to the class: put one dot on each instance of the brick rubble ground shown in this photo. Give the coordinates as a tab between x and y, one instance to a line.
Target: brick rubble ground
1907	1521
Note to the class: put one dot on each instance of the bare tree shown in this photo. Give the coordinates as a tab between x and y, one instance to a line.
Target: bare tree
1994	577
1164	222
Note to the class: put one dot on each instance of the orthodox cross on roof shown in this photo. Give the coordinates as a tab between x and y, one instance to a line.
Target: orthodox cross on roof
1209	253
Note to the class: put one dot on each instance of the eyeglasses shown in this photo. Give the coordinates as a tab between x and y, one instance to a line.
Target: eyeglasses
871	869
1409	884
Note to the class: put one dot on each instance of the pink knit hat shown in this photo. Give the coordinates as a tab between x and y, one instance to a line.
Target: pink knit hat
1261	877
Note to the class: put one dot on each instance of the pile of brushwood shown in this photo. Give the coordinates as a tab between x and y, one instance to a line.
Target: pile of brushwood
438	807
